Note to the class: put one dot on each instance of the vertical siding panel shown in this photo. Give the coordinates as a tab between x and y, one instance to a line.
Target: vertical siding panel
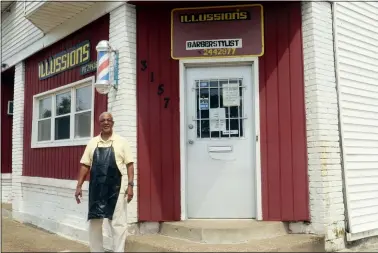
284	104
273	165
155	119
299	142
166	120
6	91
61	162
158	127
143	101
175	100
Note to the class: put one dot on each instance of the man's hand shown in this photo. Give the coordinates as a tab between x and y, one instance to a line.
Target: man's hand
130	193
78	193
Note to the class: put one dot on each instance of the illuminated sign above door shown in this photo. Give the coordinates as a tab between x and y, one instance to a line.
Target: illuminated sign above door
221	31
65	60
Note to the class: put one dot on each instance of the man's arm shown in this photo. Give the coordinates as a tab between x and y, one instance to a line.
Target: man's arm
83	172
130	172
129	161
130	186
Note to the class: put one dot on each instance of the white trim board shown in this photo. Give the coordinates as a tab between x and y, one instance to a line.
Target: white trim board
53	182
70	26
183	135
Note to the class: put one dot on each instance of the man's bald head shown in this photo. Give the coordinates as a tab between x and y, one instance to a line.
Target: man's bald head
105	115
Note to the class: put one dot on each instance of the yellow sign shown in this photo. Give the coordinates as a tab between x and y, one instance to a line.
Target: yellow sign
215	16
217	31
68	59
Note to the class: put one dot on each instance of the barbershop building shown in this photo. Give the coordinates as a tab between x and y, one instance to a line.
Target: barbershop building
234	111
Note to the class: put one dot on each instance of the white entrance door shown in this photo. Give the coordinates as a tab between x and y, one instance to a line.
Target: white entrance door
220	142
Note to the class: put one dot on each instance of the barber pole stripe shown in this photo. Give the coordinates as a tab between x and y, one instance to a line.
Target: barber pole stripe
103	66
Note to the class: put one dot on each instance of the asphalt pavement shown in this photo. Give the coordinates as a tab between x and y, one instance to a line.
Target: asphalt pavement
18	237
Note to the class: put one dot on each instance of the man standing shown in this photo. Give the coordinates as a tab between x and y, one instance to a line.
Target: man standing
108	159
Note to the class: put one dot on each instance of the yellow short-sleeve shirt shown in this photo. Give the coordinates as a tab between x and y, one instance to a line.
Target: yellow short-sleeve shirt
121	148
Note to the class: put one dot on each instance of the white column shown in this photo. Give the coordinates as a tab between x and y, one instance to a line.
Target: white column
122	103
324	151
18	137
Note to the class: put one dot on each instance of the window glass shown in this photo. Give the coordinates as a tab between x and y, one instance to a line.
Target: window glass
63	103
83	98
83	124
44	130
62	128
45	108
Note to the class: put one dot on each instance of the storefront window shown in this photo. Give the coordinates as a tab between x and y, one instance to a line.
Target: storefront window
71	119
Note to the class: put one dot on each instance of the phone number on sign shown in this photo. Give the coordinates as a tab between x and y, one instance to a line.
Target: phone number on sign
219	51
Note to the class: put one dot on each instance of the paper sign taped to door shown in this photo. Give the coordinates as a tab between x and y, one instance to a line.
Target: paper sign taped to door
231	94
217	119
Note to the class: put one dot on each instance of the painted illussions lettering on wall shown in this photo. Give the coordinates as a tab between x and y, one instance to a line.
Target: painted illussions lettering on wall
195	32
215	16
65	60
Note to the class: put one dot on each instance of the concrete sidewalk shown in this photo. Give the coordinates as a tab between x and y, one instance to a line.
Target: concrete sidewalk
18	237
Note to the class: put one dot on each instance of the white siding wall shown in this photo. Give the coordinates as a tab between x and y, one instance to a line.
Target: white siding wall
324	163
356	27
17	32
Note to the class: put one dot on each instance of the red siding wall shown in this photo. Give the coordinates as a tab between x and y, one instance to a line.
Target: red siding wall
59	162
282	116
7	88
158	127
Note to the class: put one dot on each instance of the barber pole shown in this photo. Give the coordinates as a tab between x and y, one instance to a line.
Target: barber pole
103	67
103	63
104	83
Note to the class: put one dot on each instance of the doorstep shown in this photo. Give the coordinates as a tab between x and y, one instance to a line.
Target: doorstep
224	236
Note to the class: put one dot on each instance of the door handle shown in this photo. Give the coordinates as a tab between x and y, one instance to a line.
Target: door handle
190	142
190	126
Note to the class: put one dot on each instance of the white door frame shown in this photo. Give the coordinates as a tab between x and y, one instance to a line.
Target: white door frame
183	65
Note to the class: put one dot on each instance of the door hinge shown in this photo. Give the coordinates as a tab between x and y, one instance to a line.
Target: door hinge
257	138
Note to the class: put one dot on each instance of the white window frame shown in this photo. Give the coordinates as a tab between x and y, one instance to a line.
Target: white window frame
52	93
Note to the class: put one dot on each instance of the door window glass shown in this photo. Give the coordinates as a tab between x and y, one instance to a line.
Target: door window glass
219	106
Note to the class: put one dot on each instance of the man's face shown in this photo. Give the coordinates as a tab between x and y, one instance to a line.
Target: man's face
106	123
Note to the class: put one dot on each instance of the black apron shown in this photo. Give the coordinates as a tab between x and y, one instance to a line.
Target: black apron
104	184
